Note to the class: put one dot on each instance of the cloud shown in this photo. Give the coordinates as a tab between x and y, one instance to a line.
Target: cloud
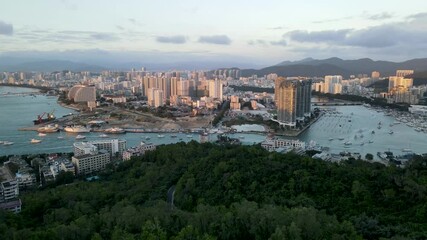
215	39
418	15
412	32
104	36
6	28
177	39
257	42
277	28
380	16
281	42
318	36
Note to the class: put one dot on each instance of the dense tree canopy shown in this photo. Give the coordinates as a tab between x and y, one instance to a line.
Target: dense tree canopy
230	192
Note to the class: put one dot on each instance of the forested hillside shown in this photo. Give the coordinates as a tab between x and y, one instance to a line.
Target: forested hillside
230	192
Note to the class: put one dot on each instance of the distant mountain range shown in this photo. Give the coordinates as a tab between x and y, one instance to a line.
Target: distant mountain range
336	66
13	65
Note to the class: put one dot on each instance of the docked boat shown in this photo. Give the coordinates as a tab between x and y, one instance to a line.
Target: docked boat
103	136
189	136
80	137
114	130
42	134
48	129
77	129
41	119
347	143
35	140
406	150
173	136
7	143
340	139
160	136
60	137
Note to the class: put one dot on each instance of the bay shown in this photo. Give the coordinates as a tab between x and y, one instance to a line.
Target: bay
19	111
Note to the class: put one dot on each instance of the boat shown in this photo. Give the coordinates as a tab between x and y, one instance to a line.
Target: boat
390	132
406	150
103	136
379	127
330	139
371	141
7	143
373	132
49	117
160	136
147	138
76	129
340	139
35	140
241	137
42	134
347	143
381	155
60	137
173	136
189	136
48	129
114	130
80	137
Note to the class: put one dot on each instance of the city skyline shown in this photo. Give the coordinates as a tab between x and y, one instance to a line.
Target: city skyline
255	32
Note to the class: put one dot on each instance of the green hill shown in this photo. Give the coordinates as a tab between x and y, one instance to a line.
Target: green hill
230	192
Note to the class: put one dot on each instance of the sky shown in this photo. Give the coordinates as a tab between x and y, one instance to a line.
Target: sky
260	32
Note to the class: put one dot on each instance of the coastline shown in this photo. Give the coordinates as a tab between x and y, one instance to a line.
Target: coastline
67	106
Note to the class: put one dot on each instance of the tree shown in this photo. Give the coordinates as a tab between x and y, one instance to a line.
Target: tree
369	156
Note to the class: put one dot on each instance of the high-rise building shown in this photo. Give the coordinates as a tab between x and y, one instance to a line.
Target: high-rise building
375	74
331	82
404	73
277	83
234	103
400	84
158	98
293	101
215	89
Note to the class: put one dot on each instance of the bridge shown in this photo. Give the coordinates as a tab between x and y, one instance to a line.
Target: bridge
336	103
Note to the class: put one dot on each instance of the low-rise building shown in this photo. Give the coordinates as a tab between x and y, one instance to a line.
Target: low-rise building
138	151
89	163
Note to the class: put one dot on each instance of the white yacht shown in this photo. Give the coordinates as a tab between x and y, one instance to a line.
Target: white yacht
42	134
80	137
7	143
77	129
114	130
160	136
103	136
35	140
48	129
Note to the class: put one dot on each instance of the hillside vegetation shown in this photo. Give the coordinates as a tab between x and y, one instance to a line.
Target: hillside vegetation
230	192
